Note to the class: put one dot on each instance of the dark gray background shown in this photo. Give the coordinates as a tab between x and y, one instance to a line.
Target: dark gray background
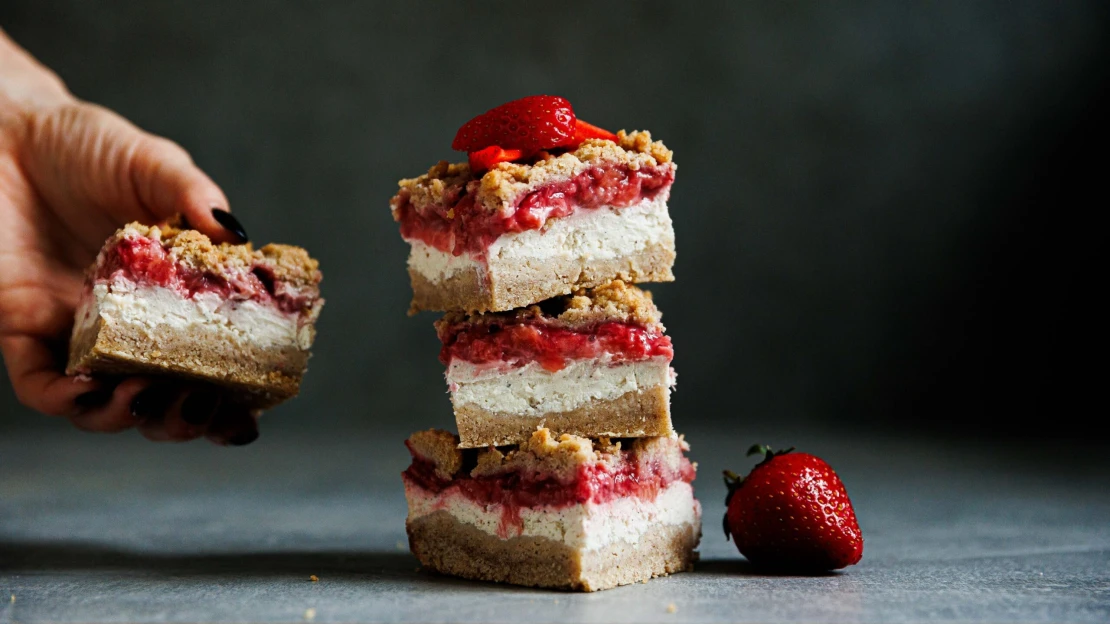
881	209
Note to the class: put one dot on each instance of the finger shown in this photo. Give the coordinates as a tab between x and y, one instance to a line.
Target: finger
233	425
186	418
152	404
36	377
114	415
39	303
167	182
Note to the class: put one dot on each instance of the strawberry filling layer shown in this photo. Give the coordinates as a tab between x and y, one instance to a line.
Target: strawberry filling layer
592	483
460	226
518	342
145	261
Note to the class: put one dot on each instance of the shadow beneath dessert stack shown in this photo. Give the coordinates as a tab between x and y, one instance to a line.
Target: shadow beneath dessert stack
29	557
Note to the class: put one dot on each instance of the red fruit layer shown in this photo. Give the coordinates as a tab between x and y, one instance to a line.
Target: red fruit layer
460	227
145	261
593	483
521	341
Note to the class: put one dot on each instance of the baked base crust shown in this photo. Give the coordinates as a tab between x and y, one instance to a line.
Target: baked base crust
448	546
258	377
500	289
637	414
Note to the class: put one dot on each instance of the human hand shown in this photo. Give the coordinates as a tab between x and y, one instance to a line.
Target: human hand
71	173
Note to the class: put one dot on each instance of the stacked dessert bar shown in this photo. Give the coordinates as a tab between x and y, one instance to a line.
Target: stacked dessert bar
566	471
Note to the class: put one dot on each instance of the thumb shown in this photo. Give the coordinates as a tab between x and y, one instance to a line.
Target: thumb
84	156
167	182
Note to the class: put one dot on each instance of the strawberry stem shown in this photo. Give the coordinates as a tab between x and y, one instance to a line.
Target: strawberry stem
765	450
733	482
759	449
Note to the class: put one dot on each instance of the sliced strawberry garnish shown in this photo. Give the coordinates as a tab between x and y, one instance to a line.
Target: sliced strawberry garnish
531	124
583	131
484	159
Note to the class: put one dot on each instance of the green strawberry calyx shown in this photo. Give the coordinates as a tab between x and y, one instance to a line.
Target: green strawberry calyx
733	481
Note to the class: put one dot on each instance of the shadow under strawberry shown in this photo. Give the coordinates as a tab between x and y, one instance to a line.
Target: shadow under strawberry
743	567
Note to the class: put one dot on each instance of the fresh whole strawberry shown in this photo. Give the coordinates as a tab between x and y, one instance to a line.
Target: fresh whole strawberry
530	124
791	513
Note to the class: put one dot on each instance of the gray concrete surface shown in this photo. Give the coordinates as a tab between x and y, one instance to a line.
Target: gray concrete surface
115	529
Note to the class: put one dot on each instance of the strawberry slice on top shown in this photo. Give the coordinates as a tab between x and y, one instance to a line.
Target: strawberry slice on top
583	131
530	124
486	158
520	129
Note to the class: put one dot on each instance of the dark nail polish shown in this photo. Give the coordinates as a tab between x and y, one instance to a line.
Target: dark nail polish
230	223
243	438
93	398
199	407
152	403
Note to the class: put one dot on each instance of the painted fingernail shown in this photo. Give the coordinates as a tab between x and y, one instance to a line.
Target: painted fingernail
230	223
93	398
199	407
152	403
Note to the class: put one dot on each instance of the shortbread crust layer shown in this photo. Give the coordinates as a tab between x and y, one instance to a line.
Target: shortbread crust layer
448	546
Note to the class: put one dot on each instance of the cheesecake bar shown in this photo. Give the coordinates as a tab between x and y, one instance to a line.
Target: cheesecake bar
595	363
523	232
166	300
567	512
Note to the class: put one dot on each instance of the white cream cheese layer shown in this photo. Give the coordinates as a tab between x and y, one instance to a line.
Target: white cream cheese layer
438	266
592	234
586	526
531	390
603	233
144	308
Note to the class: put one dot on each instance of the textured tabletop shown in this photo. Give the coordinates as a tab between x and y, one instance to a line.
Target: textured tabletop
112	528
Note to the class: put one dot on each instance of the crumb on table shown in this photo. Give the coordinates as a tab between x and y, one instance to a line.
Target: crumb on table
313	578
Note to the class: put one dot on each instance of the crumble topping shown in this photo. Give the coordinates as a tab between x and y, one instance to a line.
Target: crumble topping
543	453
499	187
438	447
613	301
286	263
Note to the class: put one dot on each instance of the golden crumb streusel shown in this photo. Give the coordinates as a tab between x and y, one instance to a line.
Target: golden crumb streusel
612	301
286	263
498	188
439	447
543	452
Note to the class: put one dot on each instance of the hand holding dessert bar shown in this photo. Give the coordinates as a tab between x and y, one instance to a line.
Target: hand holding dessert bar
166	301
71	173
